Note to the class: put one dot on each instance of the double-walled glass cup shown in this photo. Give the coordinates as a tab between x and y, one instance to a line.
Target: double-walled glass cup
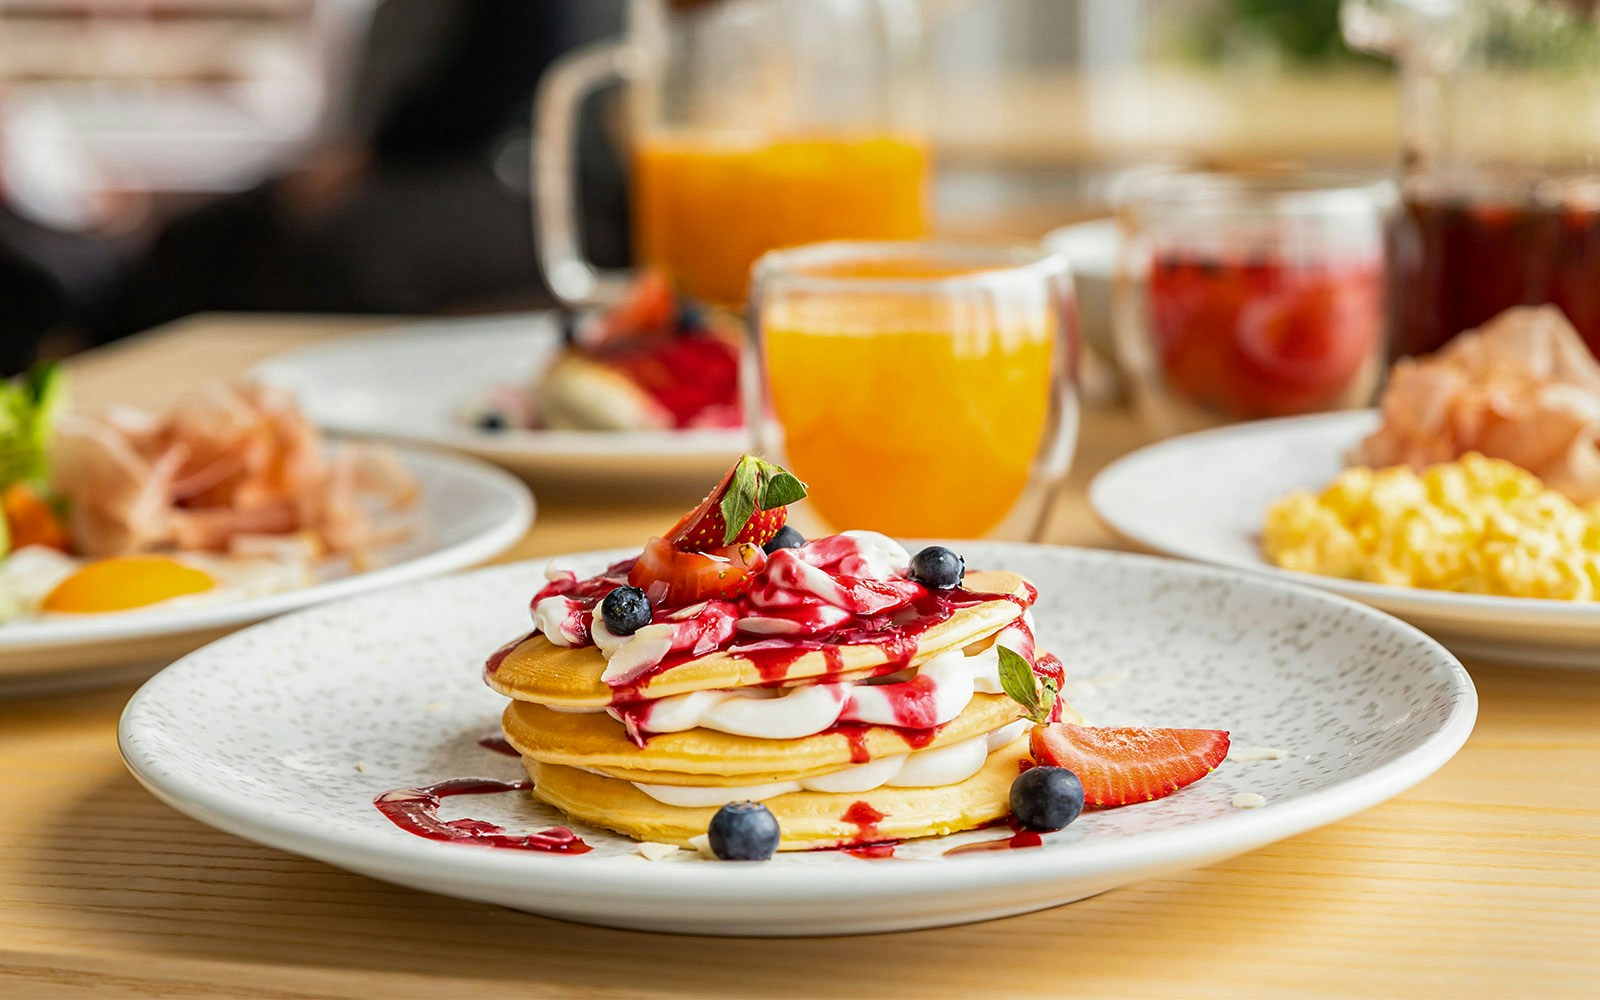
1241	296
754	124
921	389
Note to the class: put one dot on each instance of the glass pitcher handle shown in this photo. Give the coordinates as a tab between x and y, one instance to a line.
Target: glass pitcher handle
556	203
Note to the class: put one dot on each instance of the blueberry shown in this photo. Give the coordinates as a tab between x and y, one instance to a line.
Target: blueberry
937	567
743	831
786	538
492	420
1046	798
690	316
626	610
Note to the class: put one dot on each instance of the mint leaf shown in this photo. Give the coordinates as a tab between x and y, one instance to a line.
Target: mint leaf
1017	680
739	503
780	490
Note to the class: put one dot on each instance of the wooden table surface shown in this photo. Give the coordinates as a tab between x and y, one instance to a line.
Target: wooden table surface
1482	881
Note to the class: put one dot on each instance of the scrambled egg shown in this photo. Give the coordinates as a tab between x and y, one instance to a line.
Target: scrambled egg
1477	525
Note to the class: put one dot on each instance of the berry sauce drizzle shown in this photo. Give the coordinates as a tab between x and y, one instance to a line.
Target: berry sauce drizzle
865	819
496	743
416	811
1018	840
881	851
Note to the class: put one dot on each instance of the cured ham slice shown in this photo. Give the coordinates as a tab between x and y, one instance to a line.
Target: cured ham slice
230	465
1523	387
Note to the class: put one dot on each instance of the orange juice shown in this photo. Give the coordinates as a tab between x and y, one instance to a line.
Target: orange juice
706	208
913	416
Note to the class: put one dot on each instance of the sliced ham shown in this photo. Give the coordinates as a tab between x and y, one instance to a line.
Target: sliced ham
229	466
1523	387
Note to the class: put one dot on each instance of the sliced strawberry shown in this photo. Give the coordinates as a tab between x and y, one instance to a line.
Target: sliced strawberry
675	579
646	311
1122	766
748	505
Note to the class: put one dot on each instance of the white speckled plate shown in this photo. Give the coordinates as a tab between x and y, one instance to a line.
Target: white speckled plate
469	512
417	382
285	733
1205	496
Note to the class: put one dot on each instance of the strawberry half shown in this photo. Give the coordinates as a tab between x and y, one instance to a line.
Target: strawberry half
673	578
747	506
1123	766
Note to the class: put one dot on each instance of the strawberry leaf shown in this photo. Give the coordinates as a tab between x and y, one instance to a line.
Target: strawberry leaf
780	489
739	503
1018	682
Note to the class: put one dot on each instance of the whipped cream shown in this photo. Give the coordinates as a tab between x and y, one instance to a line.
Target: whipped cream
947	765
938	691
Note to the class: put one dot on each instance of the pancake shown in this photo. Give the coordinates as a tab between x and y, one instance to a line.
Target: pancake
539	671
707	757
808	819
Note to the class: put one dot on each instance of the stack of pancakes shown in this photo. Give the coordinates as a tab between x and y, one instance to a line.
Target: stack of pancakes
583	761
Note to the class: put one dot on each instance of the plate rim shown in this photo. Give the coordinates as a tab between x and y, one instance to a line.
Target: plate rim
613	879
1409	600
511	444
143	624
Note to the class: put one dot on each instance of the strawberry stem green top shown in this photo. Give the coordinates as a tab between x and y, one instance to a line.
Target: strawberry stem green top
757	485
746	506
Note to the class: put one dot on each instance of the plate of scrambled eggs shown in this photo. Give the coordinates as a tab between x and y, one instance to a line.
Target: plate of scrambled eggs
1477	551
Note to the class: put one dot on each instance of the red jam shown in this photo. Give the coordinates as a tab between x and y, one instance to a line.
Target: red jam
1264	337
416	811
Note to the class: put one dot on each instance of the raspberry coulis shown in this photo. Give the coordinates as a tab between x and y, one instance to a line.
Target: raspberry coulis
890	614
416	811
1018	840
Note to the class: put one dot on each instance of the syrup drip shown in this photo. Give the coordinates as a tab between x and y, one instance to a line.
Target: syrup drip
496	743
865	819
498	657
882	851
855	734
1018	840
416	811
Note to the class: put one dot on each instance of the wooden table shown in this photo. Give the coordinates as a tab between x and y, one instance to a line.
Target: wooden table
1482	881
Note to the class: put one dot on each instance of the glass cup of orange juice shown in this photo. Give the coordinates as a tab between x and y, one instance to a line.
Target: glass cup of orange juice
754	125
921	389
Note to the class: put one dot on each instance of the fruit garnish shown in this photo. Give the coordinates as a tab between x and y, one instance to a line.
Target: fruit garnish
744	831
747	506
647	310
1025	688
671	577
937	568
786	538
1046	798
1120	766
625	611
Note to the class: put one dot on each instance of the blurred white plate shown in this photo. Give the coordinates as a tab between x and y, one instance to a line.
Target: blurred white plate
469	512
417	382
1205	496
285	734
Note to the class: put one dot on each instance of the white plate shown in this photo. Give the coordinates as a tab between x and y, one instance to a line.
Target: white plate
286	732
415	382
1205	496
469	512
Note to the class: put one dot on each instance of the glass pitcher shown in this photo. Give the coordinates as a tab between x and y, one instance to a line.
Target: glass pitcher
755	124
1500	159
